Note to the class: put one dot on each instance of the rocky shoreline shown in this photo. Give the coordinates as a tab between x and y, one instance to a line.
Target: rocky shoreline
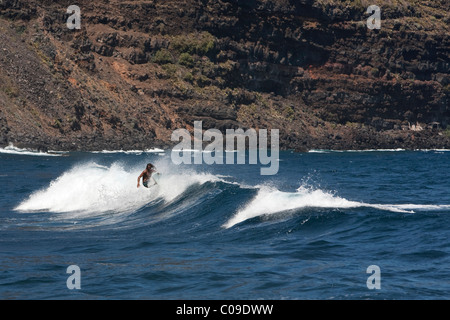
136	72
362	140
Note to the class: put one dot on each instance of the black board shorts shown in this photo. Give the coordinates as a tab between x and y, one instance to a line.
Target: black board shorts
145	183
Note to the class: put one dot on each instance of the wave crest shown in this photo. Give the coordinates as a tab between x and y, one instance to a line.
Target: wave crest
92	189
269	201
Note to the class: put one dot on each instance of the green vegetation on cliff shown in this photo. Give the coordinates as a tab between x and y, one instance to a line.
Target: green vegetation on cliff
137	70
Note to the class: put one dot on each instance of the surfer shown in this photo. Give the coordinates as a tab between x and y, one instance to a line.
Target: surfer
146	175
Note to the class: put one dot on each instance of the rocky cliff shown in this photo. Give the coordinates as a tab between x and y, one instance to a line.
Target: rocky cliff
137	70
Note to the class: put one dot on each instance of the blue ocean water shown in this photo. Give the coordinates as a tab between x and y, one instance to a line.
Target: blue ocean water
224	231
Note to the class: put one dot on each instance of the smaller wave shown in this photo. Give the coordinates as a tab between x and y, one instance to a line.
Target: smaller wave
11	149
411	208
319	151
363	150
374	150
137	152
269	201
435	150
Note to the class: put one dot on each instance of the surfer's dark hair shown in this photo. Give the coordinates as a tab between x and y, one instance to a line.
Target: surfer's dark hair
150	165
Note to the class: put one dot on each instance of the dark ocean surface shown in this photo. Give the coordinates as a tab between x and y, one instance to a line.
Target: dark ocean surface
224	231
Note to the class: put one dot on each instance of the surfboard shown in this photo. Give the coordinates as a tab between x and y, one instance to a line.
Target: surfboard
154	180
156	177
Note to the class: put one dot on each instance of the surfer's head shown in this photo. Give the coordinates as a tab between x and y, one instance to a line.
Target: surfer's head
150	166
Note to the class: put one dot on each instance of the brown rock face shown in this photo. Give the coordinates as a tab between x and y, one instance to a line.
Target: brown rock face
137	70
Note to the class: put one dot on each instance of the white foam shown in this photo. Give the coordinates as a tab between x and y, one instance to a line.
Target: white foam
137	152
91	189
374	150
363	150
269	201
11	149
319	151
436	150
410	207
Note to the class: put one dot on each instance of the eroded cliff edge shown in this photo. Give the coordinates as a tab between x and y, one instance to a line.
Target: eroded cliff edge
137	70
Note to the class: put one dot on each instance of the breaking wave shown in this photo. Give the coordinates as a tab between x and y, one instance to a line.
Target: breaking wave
90	194
11	149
